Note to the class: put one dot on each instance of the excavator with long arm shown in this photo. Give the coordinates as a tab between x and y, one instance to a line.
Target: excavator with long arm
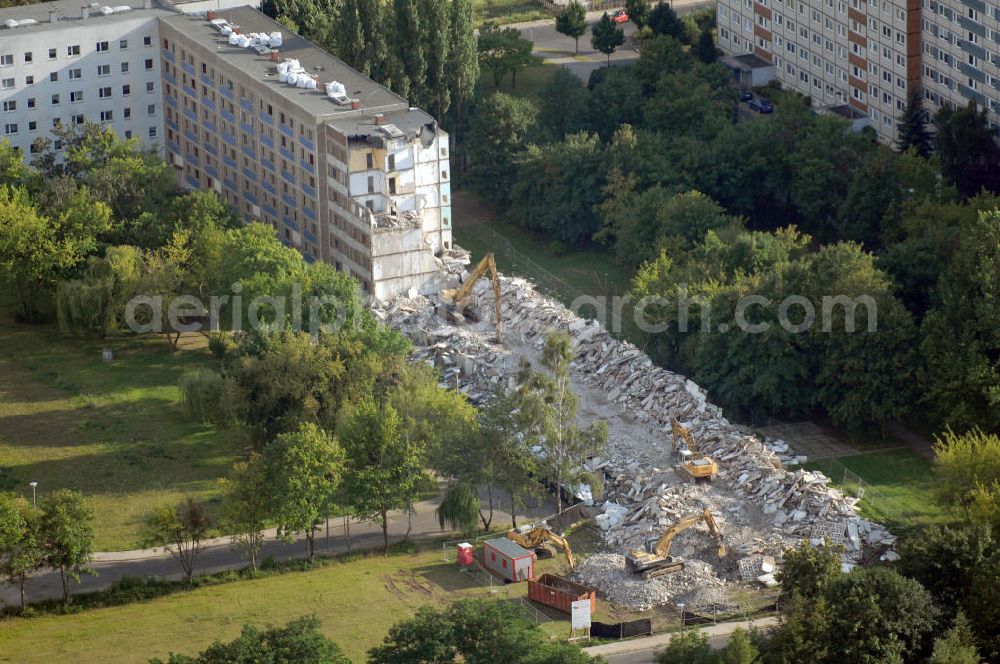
456	297
537	538
656	560
691	463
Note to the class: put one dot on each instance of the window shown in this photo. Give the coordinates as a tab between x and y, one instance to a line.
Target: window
73	50
32	125
149	64
371	184
29	80
76	97
107	116
78	119
124	67
152	132
52	54
370	163
10	128
6	60
128	112
151	110
102	46
150	86
53	77
9	106
7	84
28	57
126	90
75	74
104	93
103	70
31	102
123	44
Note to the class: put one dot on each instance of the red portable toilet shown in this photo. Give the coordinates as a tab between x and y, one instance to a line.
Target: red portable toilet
508	559
465	554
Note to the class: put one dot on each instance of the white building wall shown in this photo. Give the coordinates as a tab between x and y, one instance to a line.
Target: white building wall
35	94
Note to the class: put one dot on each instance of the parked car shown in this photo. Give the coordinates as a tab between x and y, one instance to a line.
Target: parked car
745	95
761	105
620	16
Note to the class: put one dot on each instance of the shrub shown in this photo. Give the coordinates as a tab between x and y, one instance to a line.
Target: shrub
218	344
203	394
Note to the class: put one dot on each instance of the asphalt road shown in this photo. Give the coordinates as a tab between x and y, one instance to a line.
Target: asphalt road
643	651
219	554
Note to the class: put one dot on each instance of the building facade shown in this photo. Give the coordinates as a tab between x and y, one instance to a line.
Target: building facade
961	54
350	175
863	54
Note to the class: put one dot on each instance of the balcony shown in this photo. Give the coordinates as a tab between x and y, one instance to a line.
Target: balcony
286	130
309	167
246	105
309	212
191	136
309	191
228	138
229	184
288	176
287	154
250	197
972	94
249	152
306	143
270	210
231	163
168	55
172	101
169	78
249	174
208	124
227	116
190	92
210	149
188	68
172	124
267	163
309	236
291	224
194	160
226	92
289	200
208	103
193	182
265	118
211	170
173	147
268	187
207	80
191	115
267	140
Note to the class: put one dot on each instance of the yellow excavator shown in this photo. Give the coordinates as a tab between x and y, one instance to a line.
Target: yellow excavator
690	461
456	297
539	538
656	560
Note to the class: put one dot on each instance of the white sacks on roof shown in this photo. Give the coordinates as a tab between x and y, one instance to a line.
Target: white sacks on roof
275	39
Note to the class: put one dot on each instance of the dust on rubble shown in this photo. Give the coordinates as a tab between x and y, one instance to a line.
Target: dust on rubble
760	506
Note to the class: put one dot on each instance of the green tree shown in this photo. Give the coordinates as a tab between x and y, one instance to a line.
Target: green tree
563	106
572	22
663	21
739	650
298	641
347	35
967	146
461	72
913	130
385	467
809	569
503	51
688	647
705	49
957	645
801	636
549	409
960	344
606	36
460	509
246	506
21	551
877	615
67	535
509	462
963	464
304	471
96	301
409	46
500	132
436	25
180	529
638	11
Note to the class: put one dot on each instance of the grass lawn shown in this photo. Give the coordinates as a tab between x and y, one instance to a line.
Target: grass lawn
531	81
898	486
356	602
116	432
507	11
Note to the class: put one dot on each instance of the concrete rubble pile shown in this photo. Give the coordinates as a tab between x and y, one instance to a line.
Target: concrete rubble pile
755	496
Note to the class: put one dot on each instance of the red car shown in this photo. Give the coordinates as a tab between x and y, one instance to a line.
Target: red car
620	16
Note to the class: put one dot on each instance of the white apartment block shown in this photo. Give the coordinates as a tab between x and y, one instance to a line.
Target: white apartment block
60	63
961	54
358	179
856	58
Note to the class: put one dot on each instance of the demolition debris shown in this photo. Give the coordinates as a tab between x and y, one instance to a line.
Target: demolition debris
761	506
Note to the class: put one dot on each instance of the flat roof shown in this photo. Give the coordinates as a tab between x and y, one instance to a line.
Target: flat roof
508	547
846	111
752	60
69	13
407	123
374	98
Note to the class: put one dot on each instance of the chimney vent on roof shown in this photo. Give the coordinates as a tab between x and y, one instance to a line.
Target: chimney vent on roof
356	104
52	16
379	119
84	13
275	56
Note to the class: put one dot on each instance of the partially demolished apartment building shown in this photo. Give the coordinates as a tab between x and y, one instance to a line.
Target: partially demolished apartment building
343	169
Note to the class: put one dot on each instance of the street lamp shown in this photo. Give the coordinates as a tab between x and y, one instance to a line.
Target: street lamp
33	485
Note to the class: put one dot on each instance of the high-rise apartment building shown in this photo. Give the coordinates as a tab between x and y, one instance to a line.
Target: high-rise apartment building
961	54
860	54
343	169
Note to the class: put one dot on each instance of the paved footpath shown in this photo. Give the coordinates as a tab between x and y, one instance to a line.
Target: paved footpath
219	554
643	651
